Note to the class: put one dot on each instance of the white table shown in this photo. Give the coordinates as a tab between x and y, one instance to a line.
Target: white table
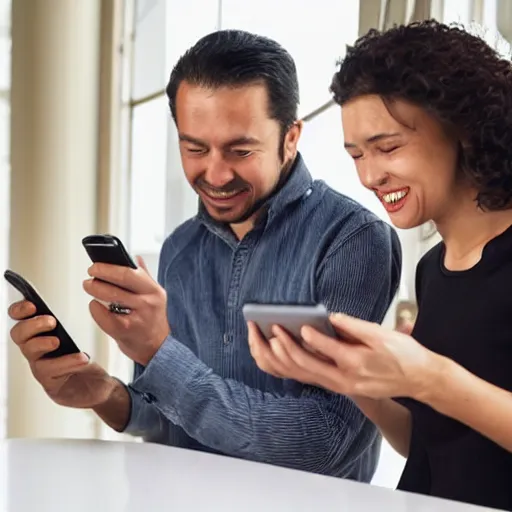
97	476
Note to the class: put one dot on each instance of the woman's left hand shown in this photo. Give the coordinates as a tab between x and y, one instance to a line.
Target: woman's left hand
368	359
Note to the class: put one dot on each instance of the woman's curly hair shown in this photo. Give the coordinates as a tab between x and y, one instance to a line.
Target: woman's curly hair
455	76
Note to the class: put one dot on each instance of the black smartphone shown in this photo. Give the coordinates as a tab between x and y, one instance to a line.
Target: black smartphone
107	249
67	345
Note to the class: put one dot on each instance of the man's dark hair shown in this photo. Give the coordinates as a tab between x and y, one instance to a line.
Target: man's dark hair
234	58
455	76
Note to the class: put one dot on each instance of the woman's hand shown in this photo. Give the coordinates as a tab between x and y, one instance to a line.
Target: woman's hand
368	359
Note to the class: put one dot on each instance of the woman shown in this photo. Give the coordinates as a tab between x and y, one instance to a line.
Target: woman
427	118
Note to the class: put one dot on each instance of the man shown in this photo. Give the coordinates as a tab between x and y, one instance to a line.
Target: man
265	232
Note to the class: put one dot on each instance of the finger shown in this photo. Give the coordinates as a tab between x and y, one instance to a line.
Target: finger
107	321
350	328
21	310
142	264
282	360
108	293
304	359
310	368
27	329
134	280
45	370
36	348
261	352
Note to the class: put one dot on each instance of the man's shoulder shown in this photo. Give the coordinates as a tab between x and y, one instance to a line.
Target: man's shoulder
349	216
181	237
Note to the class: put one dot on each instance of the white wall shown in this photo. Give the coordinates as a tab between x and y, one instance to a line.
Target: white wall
5	84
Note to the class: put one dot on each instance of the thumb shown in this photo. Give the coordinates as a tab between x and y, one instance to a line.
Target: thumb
142	264
353	329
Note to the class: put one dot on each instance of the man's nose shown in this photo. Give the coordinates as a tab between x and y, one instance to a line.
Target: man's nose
218	171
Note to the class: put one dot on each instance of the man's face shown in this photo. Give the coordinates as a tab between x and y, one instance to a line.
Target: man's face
230	148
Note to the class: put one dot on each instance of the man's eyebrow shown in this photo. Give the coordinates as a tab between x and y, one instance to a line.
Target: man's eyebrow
373	138
193	140
241	141
238	141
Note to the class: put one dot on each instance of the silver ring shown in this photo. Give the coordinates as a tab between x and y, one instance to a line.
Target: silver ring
118	309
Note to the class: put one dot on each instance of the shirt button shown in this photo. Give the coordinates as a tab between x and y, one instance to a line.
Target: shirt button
309	191
148	397
226	338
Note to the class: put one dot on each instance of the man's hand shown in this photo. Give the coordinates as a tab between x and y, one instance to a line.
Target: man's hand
140	333
70	380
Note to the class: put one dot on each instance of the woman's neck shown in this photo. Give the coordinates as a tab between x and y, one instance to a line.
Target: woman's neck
466	229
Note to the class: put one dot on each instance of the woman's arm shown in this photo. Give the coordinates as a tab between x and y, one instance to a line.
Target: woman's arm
457	393
374	362
392	419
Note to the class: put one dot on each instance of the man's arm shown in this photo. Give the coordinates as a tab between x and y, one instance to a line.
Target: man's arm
318	431
392	419
311	432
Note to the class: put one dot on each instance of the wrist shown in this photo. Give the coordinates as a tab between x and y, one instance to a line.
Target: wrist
432	381
111	389
116	408
152	348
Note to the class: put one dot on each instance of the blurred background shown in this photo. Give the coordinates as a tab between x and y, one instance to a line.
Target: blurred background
87	145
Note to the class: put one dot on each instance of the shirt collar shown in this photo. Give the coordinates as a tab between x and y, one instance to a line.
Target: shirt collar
296	186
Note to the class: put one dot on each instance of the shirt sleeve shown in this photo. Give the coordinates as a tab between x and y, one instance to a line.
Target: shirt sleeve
360	276
318	431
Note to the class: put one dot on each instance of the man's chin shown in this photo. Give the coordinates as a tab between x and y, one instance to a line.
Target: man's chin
229	216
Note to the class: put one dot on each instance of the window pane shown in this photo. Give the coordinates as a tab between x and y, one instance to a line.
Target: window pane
186	22
316	38
163	31
149	71
182	201
148	176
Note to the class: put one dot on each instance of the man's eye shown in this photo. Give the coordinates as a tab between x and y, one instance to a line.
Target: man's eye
242	153
195	150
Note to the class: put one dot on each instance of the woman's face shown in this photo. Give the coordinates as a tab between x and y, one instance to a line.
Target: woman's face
406	158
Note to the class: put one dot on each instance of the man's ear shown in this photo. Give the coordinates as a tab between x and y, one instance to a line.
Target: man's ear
291	140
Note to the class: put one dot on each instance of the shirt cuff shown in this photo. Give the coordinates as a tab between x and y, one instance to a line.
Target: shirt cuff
138	418
164	378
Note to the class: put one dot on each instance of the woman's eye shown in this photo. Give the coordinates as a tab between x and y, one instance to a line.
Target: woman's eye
388	150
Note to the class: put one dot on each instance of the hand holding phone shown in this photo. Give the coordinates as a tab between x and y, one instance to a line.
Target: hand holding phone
140	335
66	345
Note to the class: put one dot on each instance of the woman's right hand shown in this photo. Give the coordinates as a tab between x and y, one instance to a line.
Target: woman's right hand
71	380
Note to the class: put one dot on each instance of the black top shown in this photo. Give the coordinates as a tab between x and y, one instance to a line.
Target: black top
466	316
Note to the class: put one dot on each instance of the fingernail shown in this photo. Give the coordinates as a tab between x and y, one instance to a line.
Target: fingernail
85	357
306	334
